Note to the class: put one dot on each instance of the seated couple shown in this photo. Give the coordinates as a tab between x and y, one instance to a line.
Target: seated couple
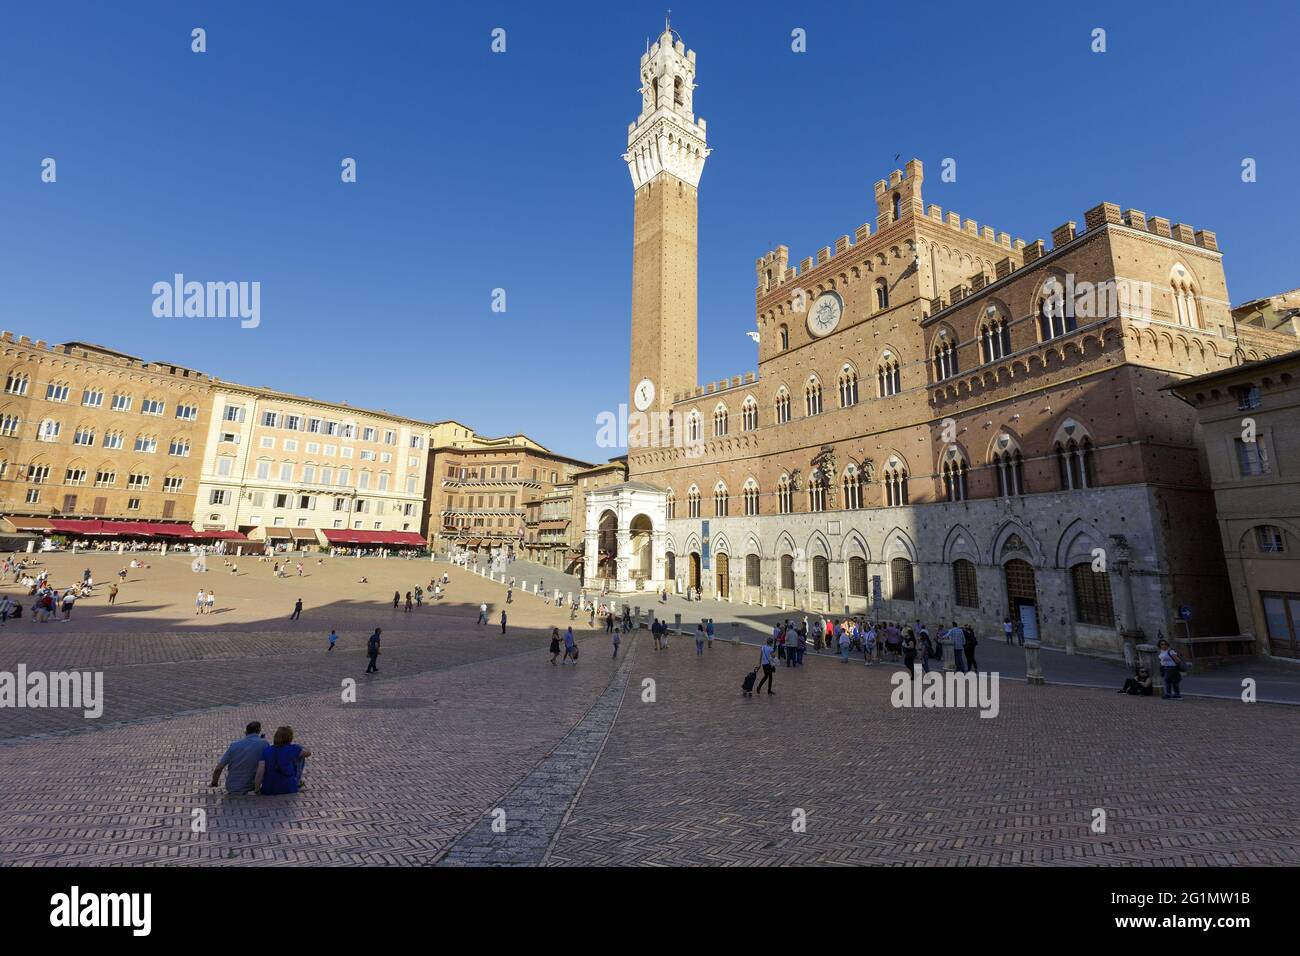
254	766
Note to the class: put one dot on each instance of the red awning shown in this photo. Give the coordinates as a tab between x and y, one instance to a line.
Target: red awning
145	529
222	535
406	539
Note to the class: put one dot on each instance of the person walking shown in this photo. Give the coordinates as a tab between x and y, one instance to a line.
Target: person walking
503	621
616	639
926	650
569	656
699	639
112	594
845	639
333	638
555	644
1171	670
708	632
482	613
397	599
1009	629
958	638
801	645
69	599
765	661
909	651
510	594
372	651
297	610
211	603
200	601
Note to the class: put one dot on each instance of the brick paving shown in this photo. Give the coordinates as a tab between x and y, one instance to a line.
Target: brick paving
462	720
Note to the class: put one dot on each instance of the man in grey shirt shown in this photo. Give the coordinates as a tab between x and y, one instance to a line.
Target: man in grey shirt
958	638
241	757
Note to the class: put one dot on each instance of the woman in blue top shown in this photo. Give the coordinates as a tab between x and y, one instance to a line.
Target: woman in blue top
281	766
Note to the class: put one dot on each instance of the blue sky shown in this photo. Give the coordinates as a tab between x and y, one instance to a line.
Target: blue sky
480	171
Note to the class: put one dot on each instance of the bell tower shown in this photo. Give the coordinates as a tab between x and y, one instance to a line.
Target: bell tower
665	156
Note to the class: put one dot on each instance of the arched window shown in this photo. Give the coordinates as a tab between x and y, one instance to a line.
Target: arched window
882	294
821	576
897	207
848	387
750	492
954	477
1009	467
693	427
719	420
670	507
817	491
9	425
812	393
787	571
693	502
785	337
995	338
887	375
752	566
49	430
782	406
858	577
720	500
964	590
784	497
895	485
1184	297
852	486
1074	464
900	580
16	383
945	357
1055	312
1092	601
749	415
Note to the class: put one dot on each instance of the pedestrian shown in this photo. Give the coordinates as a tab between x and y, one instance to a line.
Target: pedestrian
958	638
969	648
555	644
616	639
909	651
297	610
801	645
210	603
570	655
843	636
1020	632
482	613
200	601
1008	628
699	640
397	599
708	632
510	594
1171	669
656	633
69	598
926	650
503	621
765	661
409	602
372	652
333	638
112	594
240	761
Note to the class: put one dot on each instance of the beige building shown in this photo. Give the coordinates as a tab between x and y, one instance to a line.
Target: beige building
1248	419
555	524
90	433
1276	313
294	470
478	488
946	422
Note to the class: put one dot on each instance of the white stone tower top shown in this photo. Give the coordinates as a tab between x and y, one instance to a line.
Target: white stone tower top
666	137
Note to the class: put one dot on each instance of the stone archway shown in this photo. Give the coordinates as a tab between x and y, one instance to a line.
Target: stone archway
694	581
641	563
607	546
1022	595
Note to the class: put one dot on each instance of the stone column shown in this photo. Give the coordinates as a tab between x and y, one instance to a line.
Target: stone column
590	553
658	542
1033	663
624	559
949	657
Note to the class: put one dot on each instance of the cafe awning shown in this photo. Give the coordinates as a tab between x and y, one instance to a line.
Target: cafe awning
402	539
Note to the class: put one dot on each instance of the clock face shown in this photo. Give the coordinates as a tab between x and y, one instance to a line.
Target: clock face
825	314
644	394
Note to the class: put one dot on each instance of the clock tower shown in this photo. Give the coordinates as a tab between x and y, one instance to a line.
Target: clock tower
665	157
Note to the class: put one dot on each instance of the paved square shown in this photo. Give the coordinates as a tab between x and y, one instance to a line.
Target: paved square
464	726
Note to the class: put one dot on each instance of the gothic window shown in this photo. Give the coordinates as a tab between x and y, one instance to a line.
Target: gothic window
882	294
858	577
897	207
887	375
785	337
816	492
693	502
1092	601
995	340
751	497
964	590
1074	464
812	393
693	427
900	580
1055	315
848	387
720	500
945	357
787	572
784	497
852	484
752	566
1008	466
954	478
749	415
821	577
1184	297
895	485
782	406
670	506
678	98
720	421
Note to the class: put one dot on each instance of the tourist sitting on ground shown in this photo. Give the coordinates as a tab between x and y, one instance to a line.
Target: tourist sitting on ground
280	769
1139	686
242	758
